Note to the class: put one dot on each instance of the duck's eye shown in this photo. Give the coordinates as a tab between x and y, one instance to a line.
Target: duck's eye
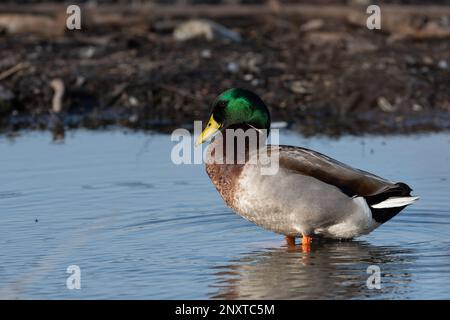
222	105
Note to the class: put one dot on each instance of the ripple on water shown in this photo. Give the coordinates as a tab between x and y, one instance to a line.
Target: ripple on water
140	227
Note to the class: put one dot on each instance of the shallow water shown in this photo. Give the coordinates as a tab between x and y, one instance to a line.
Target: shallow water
139	226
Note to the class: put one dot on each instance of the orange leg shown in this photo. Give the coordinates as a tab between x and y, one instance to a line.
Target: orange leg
290	241
306	240
306	243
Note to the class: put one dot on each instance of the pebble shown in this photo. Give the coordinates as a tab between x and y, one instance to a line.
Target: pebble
298	87
232	67
133	101
443	64
417	107
385	105
205	53
202	28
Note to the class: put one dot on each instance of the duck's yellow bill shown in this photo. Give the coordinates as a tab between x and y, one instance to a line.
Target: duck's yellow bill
211	128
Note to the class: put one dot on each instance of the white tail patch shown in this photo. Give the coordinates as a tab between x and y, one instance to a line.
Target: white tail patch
395	202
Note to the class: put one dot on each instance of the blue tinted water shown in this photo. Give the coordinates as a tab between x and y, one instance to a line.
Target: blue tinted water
138	226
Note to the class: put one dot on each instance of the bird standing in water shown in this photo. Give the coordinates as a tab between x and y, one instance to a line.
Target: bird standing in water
310	195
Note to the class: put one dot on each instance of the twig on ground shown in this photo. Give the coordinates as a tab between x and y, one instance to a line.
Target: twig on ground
16	68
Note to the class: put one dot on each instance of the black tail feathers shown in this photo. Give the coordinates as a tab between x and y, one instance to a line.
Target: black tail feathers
384	214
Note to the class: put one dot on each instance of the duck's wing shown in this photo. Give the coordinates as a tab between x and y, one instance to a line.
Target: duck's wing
385	198
351	181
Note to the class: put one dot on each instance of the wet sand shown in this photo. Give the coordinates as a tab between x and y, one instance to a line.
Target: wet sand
322	71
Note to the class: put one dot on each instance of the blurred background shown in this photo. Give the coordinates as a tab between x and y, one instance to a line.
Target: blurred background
113	202
159	64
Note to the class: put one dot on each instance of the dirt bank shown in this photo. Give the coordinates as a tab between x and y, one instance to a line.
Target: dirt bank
321	70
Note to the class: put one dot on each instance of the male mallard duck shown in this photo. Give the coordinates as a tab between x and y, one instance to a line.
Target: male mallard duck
310	195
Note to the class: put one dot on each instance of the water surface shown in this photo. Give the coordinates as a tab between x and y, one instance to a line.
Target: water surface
138	226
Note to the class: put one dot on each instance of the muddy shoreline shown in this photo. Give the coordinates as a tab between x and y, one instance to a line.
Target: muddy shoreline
327	75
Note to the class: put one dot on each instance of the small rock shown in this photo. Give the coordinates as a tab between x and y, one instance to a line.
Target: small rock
312	25
80	81
251	61
417	107
205	54
133	118
200	28
298	87
232	67
427	60
87	53
133	101
442	64
385	105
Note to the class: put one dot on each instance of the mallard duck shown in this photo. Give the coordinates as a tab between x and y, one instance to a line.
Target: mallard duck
311	195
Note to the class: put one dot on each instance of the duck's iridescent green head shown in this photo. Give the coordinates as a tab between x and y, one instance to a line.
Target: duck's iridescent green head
236	107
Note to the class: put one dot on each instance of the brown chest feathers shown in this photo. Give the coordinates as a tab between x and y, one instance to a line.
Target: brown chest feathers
225	178
225	173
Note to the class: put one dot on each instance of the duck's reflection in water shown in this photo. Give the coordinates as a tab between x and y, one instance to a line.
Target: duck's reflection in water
331	270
